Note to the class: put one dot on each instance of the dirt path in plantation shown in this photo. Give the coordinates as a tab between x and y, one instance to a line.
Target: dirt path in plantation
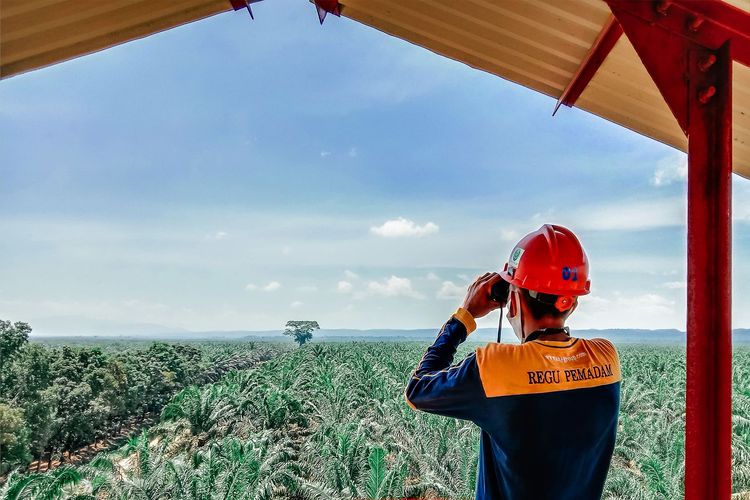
86	453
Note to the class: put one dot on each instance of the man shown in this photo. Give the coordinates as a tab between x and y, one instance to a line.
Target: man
548	407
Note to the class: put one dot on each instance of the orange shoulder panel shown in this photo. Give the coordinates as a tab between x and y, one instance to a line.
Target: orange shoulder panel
543	366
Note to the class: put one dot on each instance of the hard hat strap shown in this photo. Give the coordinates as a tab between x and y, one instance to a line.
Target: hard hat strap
561	302
500	327
545	298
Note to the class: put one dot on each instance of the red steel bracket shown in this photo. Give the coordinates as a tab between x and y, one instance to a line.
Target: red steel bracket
710	23
327	7
244	4
598	52
662	51
697	23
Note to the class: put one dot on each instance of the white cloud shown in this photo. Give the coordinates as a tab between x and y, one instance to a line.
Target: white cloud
344	287
296	304
622	215
97	316
649	310
218	235
741	213
648	303
450	291
510	235
323	154
307	288
270	287
286	250
740	195
394	287
401	227
630	215
351	275
432	276
634	214
669	170
675	285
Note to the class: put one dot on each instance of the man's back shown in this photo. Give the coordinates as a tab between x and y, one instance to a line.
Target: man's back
548	407
548	411
549	424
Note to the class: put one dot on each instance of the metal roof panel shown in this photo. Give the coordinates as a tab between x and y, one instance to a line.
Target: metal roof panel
37	33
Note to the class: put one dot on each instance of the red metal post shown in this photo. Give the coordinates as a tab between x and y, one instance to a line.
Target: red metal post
688	48
708	426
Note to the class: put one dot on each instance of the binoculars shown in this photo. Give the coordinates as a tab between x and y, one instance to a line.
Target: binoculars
499	292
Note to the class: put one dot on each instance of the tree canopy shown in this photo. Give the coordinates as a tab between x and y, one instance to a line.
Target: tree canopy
301	331
56	399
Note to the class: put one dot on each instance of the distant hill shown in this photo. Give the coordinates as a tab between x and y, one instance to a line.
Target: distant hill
620	336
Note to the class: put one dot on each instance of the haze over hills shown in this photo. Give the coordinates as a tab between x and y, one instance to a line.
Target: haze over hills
633	336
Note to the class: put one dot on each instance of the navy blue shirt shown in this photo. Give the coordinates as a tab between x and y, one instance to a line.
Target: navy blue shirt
547	410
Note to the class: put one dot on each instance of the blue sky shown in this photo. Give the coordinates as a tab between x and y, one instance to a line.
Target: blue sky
235	174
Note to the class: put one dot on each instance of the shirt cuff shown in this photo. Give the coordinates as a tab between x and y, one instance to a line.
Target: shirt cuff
466	318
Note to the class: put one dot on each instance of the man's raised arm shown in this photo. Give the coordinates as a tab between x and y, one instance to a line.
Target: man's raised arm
436	386
453	391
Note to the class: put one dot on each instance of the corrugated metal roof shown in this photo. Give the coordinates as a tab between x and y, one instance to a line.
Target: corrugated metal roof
37	33
536	43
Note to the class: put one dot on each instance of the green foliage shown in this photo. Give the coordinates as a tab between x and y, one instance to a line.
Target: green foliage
200	411
44	486
13	336
13	436
376	478
301	331
55	399
330	422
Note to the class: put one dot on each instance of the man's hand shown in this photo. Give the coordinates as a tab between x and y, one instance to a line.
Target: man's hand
478	301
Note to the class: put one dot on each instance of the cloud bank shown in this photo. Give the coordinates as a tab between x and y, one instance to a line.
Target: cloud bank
393	287
404	228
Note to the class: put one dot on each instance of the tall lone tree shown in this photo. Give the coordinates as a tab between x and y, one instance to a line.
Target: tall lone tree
301	331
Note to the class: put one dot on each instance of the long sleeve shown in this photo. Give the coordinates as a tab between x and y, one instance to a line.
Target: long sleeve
437	387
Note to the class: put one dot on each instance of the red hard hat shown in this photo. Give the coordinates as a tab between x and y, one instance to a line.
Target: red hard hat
550	260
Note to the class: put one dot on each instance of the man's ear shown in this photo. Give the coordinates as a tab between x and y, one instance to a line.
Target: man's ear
573	307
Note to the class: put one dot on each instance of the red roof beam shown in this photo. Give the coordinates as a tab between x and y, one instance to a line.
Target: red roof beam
596	55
